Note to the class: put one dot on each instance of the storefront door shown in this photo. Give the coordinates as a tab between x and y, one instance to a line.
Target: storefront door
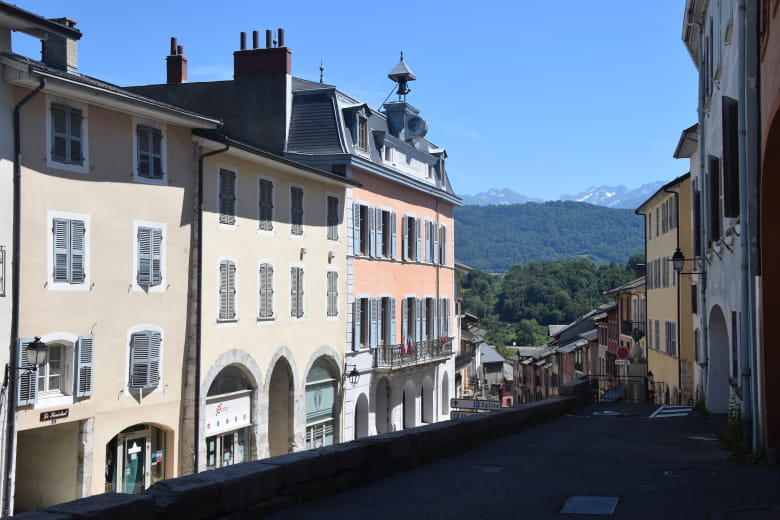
134	447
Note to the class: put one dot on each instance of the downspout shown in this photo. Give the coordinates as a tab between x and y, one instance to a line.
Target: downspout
677	274
199	306
13	363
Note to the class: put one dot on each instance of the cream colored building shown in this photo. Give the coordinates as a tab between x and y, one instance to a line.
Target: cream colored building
106	213
669	336
273	299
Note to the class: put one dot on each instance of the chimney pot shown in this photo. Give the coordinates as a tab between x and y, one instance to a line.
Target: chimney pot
281	37
173	45
268	38
180	50
255	40
176	64
243	41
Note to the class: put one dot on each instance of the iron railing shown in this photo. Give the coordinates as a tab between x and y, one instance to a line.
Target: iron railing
465	357
610	388
412	353
632	328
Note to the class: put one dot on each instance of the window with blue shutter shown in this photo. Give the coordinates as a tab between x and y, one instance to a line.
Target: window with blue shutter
332	293
356	229
428	241
227	290
266	296
266	205
69	250
296	292
405	247
227	197
374	330
149	257
82	382
418	311
435	234
296	211
393	236
66	135
443	245
149	146
333	218
27	380
356	324
145	350
392	321
418	238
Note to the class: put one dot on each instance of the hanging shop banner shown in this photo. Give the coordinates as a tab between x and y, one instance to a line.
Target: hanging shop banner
228	414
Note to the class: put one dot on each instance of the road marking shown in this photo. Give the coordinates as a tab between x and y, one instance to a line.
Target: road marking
667	410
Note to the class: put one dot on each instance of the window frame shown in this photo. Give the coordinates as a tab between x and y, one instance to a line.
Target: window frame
227	219
297	292
272	315
228	262
71	105
265	226
160	127
57	285
151	331
332	220
296	213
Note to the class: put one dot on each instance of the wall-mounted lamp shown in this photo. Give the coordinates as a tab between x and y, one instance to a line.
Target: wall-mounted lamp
36	355
331	256
352	375
678	261
303	252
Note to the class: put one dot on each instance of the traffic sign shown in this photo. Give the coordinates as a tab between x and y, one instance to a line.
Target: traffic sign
457	414
476	404
622	352
622	362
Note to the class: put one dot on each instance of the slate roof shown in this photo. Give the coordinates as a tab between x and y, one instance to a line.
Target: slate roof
313	126
489	354
633	284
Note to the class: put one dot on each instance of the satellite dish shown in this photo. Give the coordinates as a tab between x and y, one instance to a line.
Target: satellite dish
416	128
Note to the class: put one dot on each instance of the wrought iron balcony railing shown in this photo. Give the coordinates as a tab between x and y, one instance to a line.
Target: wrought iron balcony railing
632	328
412	353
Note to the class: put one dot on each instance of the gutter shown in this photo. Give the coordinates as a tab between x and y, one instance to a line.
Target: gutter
198	300
10	445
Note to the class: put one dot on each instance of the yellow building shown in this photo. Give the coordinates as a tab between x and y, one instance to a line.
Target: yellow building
669	336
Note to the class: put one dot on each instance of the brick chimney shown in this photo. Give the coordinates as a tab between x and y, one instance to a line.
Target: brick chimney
273	59
59	51
176	64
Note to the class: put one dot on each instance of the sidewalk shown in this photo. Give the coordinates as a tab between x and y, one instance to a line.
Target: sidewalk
659	468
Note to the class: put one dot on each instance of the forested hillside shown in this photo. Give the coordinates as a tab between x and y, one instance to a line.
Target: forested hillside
518	306
494	238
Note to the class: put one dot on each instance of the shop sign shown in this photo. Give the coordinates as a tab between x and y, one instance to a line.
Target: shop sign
228	414
54	414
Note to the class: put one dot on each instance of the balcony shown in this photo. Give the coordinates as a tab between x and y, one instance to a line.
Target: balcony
412	354
630	328
465	357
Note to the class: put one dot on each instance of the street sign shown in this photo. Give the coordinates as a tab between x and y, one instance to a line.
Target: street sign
622	352
622	362
457	414
476	404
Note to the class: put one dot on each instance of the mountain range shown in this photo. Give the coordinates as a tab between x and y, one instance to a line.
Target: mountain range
607	196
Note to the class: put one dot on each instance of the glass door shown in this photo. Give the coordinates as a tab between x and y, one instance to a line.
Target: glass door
133	454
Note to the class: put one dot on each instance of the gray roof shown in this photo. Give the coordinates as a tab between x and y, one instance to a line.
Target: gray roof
636	283
489	354
313	126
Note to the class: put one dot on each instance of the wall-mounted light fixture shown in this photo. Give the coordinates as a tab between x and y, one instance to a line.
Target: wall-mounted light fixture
351	375
678	261
303	252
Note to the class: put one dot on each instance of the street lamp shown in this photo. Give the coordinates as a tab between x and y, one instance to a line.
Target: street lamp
353	375
36	353
678	261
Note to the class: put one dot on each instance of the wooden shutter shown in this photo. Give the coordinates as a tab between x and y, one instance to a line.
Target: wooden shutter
371	221
296	211
59	133
77	251
435	233
435	317
227	290
27	380
61	240
145	348
265	297
75	155
715	196
405	239
380	219
392	321
332	299
227	197
424	318
443	256
144	275
404	319
356	229
373	339
730	133
333	218
356	324
417	234
300	292
393	236
143	135
418	319
84	366
428	241
157	171
266	205
156	239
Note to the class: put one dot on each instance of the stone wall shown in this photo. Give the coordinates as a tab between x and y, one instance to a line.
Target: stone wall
253	489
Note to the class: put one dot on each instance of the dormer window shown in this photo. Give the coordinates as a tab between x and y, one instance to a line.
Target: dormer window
362	142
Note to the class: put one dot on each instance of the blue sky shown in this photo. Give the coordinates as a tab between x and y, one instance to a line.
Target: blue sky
541	97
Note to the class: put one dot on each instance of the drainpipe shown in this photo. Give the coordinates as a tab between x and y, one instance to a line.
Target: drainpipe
199	312
10	445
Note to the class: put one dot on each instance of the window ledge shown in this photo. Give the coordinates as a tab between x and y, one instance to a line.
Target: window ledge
51	400
266	320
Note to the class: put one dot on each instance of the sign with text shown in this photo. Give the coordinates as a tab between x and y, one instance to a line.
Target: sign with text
476	404
54	414
228	414
457	414
625	362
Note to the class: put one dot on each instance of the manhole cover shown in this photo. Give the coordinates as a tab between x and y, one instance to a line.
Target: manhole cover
689	473
583	505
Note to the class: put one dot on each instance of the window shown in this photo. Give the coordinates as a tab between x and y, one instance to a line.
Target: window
730	117
296	211
69	251
430	326
63	373
694	299
50	376
386	234
266	216
386	325
145	349
444	318
227	197
361	323
66	135
670	339
333	218
149	152
227	290
431	242
362	133
361	230
149	260
443	245
266	292
388	153
411	245
296	292
713	174
410	319
333	294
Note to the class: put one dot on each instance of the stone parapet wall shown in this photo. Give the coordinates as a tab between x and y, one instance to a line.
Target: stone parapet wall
254	489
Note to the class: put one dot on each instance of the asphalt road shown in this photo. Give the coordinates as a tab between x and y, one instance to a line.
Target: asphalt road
664	467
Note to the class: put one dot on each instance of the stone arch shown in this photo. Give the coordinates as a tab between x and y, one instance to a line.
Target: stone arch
322	399
361	417
382	406
718	362
280	389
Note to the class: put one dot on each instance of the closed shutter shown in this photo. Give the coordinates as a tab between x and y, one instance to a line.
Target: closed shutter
157	170
428	239
227	197
296	211
333	218
75	149
84	366
266	205
77	251
296	292
266	291
300	292
356	324
418	237
145	350
443	256
27	380
356	229
149	256
371	216
374	331
227	290
393	236
435	233
59	129
149	142
380	249
392	321
405	239
333	278
61	240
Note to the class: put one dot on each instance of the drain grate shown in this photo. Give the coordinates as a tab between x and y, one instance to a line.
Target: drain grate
583	505
689	473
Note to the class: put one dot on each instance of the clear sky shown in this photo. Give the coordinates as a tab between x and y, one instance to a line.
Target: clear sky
541	97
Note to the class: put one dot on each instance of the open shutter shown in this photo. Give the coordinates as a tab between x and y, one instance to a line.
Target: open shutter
418	319
156	256
84	366
417	234
428	241
380	250
443	256
356	229
392	321
59	130
61	240
356	324
155	346
143	135
424	317
374	332
77	252
371	232
74	127
393	236
405	320
144	275
139	359
27	381
435	233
